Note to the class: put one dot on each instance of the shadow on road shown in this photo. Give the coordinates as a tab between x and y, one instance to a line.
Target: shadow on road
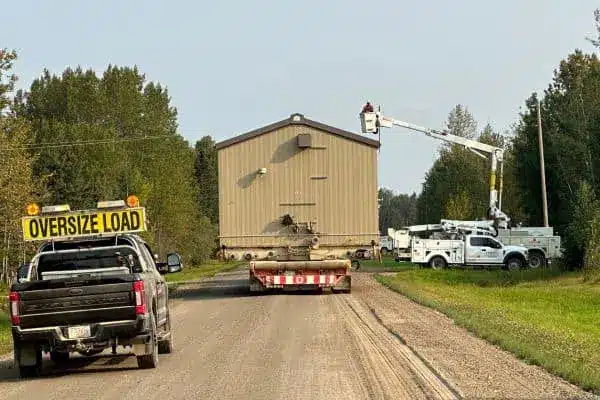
229	288
213	289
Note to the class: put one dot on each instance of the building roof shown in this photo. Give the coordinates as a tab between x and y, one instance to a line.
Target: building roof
297	119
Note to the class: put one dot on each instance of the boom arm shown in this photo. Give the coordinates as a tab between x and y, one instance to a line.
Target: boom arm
371	122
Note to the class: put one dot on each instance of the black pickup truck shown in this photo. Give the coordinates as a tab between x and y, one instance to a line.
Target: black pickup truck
89	295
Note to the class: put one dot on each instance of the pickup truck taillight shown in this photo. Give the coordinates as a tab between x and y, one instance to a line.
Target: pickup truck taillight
14	299
140	299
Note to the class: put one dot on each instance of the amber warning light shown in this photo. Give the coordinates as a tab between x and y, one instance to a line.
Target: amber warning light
33	209
133	201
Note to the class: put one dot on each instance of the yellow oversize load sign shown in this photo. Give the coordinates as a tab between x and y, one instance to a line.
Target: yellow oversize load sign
84	223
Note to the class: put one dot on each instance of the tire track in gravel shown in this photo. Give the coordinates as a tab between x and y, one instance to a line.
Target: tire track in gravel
391	368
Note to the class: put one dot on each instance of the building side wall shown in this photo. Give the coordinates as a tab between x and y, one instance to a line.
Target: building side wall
332	184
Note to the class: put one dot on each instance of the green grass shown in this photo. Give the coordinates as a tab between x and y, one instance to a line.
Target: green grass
546	317
387	264
207	270
5	335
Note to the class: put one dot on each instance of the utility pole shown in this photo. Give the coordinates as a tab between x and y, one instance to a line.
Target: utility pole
542	166
379	258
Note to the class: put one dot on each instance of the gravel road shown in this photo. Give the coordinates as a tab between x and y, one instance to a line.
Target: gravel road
229	345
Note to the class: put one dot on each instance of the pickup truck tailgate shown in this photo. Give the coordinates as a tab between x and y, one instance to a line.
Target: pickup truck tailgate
65	303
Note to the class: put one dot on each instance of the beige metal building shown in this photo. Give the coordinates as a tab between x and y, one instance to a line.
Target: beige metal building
297	183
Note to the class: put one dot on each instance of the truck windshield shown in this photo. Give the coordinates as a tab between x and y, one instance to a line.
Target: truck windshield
115	259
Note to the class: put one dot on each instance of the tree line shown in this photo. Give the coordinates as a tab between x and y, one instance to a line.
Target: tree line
80	137
456	186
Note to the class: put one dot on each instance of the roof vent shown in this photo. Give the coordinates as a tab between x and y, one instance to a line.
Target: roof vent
297	117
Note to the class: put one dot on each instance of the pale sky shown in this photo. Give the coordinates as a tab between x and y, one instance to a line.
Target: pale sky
232	66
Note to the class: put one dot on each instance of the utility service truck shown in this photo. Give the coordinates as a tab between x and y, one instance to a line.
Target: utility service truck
470	250
93	284
542	244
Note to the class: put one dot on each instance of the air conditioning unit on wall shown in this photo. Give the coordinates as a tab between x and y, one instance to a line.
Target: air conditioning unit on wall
304	140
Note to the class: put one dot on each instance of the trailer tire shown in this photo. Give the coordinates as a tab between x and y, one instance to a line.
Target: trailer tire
336	291
537	259
437	262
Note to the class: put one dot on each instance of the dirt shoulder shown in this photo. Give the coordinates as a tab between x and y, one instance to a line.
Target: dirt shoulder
476	368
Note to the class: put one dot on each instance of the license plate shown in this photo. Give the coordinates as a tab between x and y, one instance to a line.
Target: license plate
77	332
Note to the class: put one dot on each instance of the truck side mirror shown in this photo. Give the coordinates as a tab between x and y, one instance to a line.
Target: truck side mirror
174	263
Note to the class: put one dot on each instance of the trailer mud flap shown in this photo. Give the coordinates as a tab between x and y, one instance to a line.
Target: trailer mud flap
344	284
256	285
25	354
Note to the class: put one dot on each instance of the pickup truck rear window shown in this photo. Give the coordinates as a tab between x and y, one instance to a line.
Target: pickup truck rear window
103	260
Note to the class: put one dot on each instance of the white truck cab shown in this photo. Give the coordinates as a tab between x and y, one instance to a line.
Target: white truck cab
473	250
386	245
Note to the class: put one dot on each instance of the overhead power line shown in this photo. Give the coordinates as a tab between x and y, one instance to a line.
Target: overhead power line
83	143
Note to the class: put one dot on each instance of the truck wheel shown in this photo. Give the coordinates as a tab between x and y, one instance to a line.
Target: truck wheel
166	346
28	371
537	259
355	264
514	264
383	251
59	357
437	262
150	360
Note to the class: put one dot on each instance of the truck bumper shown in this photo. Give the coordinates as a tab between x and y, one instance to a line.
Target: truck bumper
300	275
135	333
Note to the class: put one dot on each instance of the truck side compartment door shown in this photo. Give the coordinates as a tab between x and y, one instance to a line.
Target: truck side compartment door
417	251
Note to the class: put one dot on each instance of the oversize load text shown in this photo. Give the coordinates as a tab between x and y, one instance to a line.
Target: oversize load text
82	224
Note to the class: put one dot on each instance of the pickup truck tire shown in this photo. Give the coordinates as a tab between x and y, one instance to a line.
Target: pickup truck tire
150	360
514	263
166	346
536	259
383	251
29	371
437	262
